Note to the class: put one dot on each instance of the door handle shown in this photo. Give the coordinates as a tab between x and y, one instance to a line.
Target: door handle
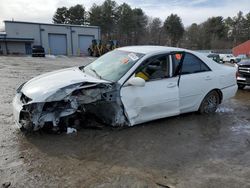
208	78
170	85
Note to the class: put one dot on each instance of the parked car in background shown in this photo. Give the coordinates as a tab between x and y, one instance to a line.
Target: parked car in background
38	51
125	87
243	73
229	58
240	57
215	57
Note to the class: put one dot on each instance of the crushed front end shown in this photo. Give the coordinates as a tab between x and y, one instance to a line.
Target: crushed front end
71	106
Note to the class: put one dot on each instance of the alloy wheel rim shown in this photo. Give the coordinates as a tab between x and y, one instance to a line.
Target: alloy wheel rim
211	104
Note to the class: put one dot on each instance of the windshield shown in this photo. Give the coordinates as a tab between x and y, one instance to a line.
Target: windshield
113	65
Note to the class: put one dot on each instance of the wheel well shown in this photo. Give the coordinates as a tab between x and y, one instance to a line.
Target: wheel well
219	93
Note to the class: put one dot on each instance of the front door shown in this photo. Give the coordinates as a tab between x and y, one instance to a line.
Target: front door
159	97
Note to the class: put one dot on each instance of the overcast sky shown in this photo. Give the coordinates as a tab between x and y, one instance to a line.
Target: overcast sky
189	10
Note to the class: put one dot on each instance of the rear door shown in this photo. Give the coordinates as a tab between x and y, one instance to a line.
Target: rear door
159	97
196	81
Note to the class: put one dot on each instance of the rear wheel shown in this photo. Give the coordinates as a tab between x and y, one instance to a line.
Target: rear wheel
210	103
232	61
241	86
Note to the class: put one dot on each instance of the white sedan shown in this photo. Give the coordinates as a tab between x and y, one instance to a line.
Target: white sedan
125	87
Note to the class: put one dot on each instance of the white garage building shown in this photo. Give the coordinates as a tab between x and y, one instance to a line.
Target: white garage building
57	39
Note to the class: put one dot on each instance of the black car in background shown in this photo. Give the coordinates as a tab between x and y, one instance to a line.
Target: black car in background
38	51
214	57
243	73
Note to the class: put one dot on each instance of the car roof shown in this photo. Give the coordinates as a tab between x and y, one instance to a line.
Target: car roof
150	49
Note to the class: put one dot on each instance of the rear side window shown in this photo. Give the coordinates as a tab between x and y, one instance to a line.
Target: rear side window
192	64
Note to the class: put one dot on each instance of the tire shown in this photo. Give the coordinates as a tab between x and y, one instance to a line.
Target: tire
241	86
232	61
210	103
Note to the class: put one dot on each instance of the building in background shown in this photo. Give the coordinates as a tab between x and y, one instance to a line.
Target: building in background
57	39
242	49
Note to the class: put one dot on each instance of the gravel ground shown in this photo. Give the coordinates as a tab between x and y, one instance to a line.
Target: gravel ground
190	150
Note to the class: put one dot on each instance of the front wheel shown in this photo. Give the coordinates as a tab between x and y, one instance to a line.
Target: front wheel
209	103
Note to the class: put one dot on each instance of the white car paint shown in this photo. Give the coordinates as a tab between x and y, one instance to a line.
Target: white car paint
157	99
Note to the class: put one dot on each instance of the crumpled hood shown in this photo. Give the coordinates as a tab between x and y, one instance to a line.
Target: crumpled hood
45	85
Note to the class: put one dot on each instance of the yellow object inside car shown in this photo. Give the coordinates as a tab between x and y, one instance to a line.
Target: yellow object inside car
142	75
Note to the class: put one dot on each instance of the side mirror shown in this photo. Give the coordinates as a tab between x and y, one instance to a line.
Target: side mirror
137	81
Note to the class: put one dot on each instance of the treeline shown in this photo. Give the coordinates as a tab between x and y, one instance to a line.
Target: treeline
131	26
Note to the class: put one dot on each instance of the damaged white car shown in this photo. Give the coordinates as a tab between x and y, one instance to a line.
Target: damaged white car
125	87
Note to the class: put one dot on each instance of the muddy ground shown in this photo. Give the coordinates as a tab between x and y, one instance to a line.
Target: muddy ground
190	150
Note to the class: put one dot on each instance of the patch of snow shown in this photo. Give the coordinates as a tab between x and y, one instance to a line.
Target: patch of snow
224	109
51	56
91	58
62	56
71	130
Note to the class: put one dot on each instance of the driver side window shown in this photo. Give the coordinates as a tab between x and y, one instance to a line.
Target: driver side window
154	68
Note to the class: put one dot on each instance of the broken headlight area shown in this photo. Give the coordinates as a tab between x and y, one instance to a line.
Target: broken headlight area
35	116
